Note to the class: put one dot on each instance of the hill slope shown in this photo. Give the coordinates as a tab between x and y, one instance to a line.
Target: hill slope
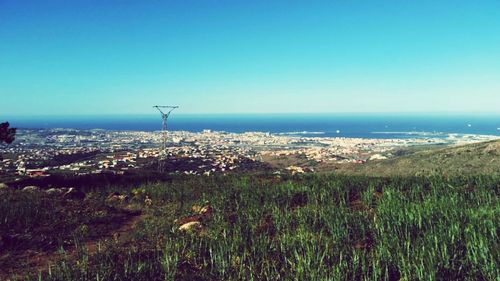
478	158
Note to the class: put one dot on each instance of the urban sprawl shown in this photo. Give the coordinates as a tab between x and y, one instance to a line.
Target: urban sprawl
38	153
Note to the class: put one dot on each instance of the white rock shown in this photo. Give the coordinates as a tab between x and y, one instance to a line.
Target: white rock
377	157
73	193
53	191
206	210
31	188
190	226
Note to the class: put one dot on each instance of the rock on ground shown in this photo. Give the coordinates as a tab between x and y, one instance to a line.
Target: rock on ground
31	188
74	194
190	226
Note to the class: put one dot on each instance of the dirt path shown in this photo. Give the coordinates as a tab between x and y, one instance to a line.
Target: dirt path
41	261
120	235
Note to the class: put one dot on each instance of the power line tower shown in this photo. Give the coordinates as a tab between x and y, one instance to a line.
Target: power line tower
165	111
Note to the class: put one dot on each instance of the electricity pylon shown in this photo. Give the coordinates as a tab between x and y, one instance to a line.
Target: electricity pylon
165	113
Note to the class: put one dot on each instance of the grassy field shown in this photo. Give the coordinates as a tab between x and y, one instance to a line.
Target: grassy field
35	223
478	158
316	227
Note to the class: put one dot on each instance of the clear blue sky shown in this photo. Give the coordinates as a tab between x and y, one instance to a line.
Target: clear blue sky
94	57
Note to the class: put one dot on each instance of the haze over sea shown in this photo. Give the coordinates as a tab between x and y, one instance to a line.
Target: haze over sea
319	125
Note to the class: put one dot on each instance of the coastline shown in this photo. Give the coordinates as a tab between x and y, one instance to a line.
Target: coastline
328	125
99	151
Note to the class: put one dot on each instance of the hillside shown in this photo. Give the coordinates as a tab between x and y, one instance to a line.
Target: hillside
478	158
255	227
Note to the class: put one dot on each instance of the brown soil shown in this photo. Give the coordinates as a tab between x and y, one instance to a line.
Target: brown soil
298	200
33	261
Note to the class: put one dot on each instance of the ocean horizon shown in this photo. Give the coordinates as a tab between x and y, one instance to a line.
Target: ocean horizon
311	125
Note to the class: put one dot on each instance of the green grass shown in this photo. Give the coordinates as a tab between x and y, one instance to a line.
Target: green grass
471	159
34	222
307	228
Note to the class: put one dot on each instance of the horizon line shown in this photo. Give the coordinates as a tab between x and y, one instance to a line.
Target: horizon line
467	113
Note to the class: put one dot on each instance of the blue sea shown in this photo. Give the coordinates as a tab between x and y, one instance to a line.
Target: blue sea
312	125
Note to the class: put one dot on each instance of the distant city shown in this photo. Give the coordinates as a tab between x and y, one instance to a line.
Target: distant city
41	152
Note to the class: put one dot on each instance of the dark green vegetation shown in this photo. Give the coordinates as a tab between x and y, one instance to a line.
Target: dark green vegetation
265	228
7	134
93	181
63	159
479	158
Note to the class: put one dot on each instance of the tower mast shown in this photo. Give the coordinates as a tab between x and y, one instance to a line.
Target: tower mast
165	111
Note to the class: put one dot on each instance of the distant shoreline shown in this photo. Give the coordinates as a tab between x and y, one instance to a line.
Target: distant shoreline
339	125
419	137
